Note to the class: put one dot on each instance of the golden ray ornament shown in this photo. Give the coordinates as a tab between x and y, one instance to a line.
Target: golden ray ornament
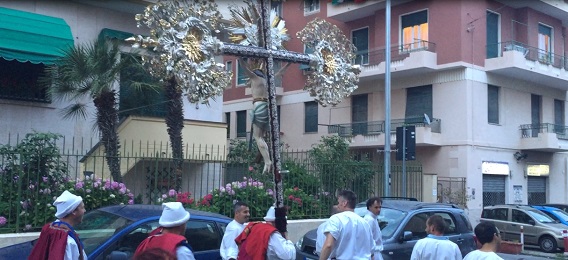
332	77
182	46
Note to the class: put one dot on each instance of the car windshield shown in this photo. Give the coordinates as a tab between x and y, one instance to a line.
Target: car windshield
540	217
389	219
562	215
97	227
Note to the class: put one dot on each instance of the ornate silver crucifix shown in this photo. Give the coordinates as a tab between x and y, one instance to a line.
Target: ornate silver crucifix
181	34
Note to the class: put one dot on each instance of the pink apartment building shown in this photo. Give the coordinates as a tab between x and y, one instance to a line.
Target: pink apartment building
491	76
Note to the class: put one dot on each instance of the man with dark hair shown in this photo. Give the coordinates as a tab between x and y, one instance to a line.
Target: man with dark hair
348	236
435	245
374	205
229	249
488	235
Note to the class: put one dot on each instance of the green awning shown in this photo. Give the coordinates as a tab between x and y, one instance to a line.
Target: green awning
107	33
32	37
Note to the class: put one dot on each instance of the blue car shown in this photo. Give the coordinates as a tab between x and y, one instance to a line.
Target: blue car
115	232
555	213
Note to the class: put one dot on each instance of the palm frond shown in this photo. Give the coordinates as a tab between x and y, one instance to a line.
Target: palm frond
75	111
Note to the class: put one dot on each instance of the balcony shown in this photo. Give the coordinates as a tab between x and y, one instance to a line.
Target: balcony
410	59
371	133
350	11
517	60
544	137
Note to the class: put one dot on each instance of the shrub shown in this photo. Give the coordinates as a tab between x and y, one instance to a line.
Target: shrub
31	173
98	193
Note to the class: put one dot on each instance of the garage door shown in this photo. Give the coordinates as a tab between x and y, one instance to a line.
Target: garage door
536	188
493	189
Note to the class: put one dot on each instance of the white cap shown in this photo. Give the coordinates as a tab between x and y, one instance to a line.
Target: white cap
270	214
66	203
173	214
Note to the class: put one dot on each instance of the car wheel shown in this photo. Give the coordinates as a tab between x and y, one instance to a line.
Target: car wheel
547	244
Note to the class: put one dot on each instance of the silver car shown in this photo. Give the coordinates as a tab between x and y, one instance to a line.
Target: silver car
538	228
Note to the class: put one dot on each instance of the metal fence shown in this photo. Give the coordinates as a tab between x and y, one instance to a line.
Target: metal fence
452	190
206	180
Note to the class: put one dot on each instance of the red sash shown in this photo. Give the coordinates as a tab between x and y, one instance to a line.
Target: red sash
52	242
167	241
253	241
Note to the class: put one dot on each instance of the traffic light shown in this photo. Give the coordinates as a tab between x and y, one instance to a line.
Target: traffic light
406	135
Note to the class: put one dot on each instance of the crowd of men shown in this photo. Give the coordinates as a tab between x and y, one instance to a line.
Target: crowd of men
344	236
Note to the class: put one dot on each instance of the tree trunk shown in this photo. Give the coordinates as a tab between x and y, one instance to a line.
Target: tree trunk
107	122
174	122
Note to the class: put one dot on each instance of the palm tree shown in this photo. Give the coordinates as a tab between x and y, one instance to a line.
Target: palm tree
88	72
174	122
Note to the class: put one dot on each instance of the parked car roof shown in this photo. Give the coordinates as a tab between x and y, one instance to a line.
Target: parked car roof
141	211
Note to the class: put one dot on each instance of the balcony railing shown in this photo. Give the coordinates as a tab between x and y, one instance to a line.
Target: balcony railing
530	53
398	52
532	130
378	127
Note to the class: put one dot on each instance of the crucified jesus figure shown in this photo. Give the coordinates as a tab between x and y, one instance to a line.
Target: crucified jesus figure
259	113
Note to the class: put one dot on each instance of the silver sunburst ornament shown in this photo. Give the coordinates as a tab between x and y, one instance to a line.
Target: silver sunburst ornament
244	29
333	77
184	47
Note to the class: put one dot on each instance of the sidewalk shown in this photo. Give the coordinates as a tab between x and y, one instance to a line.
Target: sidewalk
533	255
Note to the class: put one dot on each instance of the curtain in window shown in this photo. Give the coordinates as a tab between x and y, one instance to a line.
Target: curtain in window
544	43
414	30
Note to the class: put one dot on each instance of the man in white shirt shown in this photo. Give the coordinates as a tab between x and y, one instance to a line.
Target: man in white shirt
374	205
348	236
320	238
263	241
229	249
435	246
488	235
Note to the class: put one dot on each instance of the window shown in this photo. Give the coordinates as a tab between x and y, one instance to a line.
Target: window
544	43
520	217
242	123
228	122
311	6
360	39
492	34
492	104
559	117
536	108
359	110
419	102
307	50
140	103
414	30
311	117
417	225
277	65
241	74
497	214
276	6
202	235
229	66
19	81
